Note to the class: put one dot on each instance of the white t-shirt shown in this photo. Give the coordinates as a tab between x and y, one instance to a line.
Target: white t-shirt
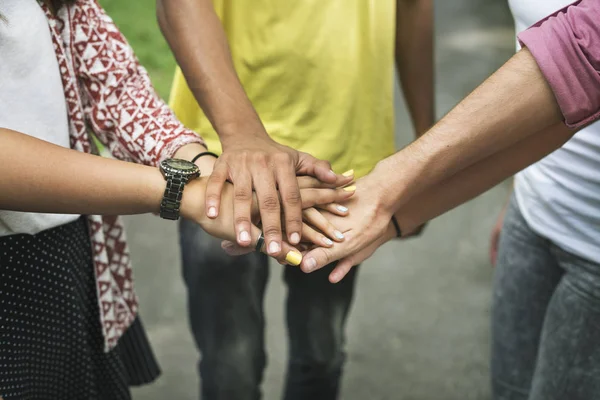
32	99
559	196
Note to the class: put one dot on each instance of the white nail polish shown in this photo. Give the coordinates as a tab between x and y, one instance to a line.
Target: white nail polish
342	208
244	236
274	248
338	234
311	264
295	238
327	241
212	212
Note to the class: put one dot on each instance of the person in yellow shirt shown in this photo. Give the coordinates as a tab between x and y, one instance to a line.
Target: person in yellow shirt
319	74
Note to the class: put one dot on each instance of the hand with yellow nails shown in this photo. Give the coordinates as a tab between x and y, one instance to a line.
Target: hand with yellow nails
318	199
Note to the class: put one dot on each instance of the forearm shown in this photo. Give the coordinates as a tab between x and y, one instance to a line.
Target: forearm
41	177
414	60
196	36
480	177
514	103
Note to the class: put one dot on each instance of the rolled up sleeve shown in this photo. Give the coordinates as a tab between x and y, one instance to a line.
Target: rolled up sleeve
566	47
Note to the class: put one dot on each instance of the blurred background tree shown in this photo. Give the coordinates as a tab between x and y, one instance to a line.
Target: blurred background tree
137	21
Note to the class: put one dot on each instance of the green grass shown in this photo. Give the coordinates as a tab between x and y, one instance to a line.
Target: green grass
137	20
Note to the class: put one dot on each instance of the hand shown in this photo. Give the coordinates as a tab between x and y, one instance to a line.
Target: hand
367	227
258	163
312	193
316	229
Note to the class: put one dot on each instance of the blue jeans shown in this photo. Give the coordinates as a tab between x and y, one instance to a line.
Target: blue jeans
545	318
225	304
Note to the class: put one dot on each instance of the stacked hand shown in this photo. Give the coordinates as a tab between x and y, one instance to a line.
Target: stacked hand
316	198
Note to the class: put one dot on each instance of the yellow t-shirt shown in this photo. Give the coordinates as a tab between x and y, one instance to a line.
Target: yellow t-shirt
318	72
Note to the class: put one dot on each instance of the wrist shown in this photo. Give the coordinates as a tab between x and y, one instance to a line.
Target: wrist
233	133
389	188
192	201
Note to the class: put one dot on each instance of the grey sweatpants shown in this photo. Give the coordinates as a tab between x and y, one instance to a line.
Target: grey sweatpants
545	319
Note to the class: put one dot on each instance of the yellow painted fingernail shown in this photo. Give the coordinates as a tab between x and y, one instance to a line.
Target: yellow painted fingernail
350	188
293	258
348	173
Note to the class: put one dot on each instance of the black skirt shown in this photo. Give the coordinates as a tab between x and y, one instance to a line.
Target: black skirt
51	344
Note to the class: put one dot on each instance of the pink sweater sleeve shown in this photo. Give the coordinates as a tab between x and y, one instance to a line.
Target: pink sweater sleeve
566	47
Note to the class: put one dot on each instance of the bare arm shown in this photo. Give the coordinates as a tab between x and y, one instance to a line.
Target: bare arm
196	36
414	60
440	198
480	177
508	108
67	181
511	105
251	159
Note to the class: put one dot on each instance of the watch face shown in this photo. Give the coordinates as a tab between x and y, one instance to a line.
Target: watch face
174	166
182	165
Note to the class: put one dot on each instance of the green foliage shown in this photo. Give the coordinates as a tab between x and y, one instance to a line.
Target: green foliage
137	20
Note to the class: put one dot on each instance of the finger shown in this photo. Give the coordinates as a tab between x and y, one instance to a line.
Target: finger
312	236
336	209
307	182
341	269
309	165
214	187
242	208
320	257
289	254
290	197
317	220
234	250
268	204
314	197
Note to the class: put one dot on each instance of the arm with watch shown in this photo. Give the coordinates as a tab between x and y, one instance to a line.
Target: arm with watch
71	182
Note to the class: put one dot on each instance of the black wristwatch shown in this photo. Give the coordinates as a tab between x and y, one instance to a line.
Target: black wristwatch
177	173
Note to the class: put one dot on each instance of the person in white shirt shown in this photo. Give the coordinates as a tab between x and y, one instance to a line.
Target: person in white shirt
546	248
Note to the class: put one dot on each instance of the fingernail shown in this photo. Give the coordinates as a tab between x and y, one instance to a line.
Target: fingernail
244	236
212	212
350	188
332	174
295	238
342	208
293	258
311	264
338	234
348	173
327	241
274	248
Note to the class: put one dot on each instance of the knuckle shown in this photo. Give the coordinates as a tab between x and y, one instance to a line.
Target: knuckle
241	220
324	163
270	203
259	159
212	196
294	221
242	194
293	197
271	231
282	158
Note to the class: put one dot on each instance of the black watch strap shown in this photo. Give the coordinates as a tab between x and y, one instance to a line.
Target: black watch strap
171	202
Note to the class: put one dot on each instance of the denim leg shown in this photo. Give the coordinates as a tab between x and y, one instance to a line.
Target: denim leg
225	305
568	365
316	319
525	279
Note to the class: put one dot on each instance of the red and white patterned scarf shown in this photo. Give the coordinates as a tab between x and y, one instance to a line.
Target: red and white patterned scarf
109	93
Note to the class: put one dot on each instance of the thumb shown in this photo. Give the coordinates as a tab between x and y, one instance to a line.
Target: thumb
320	169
